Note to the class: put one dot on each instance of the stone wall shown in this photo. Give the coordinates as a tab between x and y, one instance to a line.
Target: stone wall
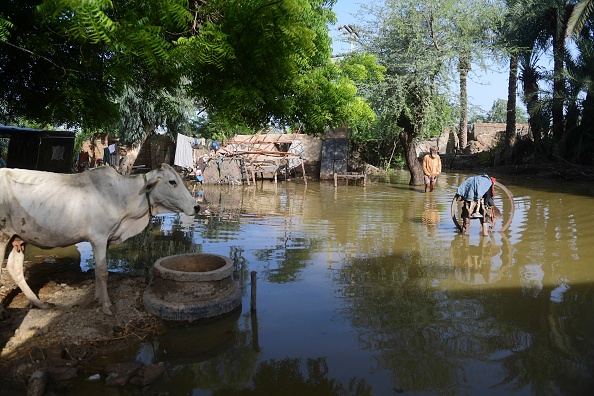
482	136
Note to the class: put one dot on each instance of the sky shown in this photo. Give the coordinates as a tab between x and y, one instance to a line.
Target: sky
483	88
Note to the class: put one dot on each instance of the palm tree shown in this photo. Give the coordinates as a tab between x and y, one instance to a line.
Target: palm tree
558	16
529	76
580	72
472	40
522	34
463	69
507	38
510	122
533	26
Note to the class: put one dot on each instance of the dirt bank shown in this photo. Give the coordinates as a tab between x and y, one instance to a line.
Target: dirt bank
549	171
75	328
542	170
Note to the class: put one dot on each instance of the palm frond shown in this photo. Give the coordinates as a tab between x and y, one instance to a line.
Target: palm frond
578	17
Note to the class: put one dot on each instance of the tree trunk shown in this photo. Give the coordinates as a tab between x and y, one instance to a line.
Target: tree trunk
587	128
410	153
530	79
510	122
463	69
558	80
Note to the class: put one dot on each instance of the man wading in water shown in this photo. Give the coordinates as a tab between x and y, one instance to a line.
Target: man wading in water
431	168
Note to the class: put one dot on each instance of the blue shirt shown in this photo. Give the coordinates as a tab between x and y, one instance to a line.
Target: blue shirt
473	188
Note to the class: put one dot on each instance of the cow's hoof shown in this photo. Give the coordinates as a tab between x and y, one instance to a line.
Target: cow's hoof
106	311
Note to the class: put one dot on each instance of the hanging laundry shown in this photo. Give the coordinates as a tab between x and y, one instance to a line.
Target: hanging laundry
106	156
184	155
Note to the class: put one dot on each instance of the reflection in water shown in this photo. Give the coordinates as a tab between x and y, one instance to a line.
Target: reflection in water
193	343
366	291
431	215
474	264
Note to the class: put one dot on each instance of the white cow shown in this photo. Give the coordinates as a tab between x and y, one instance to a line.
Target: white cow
99	206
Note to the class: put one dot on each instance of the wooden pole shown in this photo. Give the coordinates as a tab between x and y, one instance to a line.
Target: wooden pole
253	295
245	170
255	339
303	169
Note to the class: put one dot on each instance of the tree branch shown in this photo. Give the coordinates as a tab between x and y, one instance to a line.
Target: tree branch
40	56
431	32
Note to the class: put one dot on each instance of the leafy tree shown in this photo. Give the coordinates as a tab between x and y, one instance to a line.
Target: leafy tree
536	29
558	16
48	79
211	127
97	63
408	99
499	111
276	68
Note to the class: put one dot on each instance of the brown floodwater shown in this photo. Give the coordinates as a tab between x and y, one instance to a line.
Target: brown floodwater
371	290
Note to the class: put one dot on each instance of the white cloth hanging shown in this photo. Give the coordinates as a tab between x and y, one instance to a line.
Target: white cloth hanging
184	155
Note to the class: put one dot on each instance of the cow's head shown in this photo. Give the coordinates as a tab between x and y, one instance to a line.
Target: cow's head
167	192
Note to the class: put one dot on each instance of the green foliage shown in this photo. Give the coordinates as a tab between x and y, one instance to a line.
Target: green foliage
5	27
83	21
498	113
272	64
131	66
143	110
219	129
80	138
413	66
474	25
439	115
396	33
47	78
582	10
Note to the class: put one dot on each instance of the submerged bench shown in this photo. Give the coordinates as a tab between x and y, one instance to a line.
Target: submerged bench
350	175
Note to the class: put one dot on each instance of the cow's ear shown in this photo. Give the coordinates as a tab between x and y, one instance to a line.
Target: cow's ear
149	186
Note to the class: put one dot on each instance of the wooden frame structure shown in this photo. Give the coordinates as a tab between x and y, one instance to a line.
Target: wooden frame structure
261	154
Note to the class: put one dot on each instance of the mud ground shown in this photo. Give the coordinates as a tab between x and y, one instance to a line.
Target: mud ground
75	323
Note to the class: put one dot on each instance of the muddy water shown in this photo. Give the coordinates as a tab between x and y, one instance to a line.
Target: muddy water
370	290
